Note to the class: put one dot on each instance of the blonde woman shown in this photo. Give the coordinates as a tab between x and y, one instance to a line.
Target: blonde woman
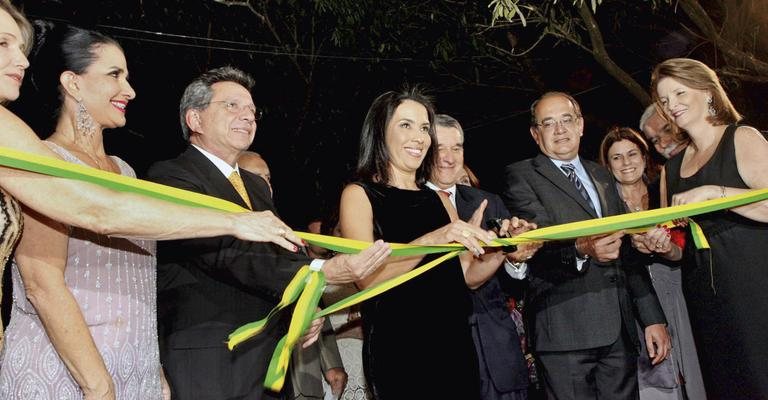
727	300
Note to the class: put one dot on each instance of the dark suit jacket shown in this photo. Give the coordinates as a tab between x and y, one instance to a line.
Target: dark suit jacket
209	287
495	336
570	309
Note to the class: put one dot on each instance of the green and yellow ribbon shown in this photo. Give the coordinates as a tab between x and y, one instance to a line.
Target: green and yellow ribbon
305	288
290	294
63	169
303	314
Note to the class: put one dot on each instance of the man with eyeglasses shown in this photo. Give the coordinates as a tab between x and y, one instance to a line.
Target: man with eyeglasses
207	288
584	295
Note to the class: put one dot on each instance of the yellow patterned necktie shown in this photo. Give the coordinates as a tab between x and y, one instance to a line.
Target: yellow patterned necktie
237	183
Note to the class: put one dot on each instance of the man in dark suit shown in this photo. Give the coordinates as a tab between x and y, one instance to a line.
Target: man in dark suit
209	287
318	365
581	295
503	369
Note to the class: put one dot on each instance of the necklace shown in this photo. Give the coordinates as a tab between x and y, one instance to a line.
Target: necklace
640	205
78	147
77	150
99	164
632	208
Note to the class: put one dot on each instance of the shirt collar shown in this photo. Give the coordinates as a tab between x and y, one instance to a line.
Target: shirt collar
222	165
451	190
576	164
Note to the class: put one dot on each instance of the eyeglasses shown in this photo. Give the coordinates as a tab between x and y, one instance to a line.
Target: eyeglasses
235	108
549	124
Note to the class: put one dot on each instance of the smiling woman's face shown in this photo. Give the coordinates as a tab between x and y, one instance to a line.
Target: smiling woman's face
626	162
13	62
407	137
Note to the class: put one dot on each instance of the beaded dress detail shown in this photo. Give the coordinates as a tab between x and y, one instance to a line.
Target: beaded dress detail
114	283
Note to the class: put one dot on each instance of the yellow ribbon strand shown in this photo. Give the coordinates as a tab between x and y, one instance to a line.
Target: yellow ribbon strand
290	294
302	316
386	285
63	169
640	220
308	288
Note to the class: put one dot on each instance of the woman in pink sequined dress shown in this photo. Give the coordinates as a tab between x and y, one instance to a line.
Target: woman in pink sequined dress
127	284
95	293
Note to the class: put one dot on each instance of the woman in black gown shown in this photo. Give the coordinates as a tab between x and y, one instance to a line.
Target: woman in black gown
402	327
727	297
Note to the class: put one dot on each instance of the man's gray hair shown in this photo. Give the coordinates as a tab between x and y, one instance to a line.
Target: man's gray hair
198	94
447	121
647	114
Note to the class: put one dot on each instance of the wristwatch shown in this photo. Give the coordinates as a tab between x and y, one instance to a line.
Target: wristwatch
585	257
514	264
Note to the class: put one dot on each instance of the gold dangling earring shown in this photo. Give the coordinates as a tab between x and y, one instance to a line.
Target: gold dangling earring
84	121
711	109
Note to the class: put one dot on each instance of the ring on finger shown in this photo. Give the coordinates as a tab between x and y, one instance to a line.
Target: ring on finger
466	233
281	232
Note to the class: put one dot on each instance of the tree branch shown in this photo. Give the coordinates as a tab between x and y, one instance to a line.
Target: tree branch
264	18
601	55
741	75
733	55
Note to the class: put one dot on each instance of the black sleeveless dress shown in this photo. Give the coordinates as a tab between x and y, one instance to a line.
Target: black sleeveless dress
727	298
417	340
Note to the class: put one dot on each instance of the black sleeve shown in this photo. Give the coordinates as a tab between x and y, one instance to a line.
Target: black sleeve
522	201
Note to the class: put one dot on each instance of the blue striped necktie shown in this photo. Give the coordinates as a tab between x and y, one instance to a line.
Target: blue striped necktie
570	170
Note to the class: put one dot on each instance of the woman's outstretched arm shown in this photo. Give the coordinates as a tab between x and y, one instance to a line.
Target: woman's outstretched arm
110	212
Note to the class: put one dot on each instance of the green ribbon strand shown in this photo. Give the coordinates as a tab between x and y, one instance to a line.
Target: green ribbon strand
305	288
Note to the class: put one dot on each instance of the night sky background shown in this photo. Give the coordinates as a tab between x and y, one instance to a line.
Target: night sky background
309	135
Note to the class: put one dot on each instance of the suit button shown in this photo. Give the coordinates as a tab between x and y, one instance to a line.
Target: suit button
612	279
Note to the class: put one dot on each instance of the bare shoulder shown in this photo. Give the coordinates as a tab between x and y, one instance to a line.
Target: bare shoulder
750	134
353	191
751	156
749	140
354	197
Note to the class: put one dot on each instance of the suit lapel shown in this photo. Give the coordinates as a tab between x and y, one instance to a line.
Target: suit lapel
258	192
596	172
463	204
548	170
211	177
